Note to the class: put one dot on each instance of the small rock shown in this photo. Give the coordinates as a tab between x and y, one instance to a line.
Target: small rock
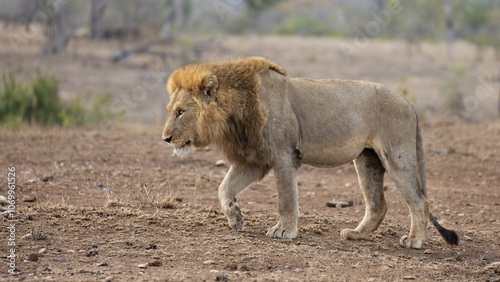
468	238
81	251
70	251
450	259
47	178
100	184
231	266
95	246
409	278
238	273
151	246
33	257
3	201
488	256
155	263
469	221
27	236
142	265
209	262
60	258
29	199
108	278
429	251
220	163
92	253
222	277
102	264
279	271
42	251
347	185
81	270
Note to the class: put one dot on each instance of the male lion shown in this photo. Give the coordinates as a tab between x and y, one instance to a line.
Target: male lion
262	119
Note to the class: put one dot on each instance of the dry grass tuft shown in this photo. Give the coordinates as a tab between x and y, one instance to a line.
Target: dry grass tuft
168	202
111	203
38	231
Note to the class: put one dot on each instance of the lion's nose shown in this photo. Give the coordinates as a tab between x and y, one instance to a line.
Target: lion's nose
168	139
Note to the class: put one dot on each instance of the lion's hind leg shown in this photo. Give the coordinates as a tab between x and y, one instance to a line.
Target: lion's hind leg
371	178
402	169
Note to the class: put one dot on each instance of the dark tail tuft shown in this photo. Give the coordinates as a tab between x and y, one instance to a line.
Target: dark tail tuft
450	236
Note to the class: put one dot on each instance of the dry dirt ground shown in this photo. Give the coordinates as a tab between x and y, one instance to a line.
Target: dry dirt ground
121	193
115	198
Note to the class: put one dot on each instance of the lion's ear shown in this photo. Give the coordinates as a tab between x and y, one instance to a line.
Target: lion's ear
209	86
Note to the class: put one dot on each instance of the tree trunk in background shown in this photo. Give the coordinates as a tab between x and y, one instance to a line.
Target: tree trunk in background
180	15
96	19
58	39
448	14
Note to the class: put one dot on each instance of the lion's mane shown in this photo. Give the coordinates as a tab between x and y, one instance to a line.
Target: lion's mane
234	119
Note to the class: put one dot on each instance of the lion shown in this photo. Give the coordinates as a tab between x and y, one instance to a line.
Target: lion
261	120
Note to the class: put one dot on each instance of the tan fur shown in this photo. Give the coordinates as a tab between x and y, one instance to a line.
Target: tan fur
261	119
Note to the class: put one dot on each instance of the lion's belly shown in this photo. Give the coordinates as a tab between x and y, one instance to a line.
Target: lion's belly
324	154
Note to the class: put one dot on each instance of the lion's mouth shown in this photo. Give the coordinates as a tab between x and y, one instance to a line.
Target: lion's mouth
183	150
185	144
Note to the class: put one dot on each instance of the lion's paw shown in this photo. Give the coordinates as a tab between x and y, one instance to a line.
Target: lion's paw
234	216
278	232
351	234
409	243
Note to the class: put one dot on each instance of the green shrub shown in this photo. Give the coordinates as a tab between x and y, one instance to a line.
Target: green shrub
39	102
46	104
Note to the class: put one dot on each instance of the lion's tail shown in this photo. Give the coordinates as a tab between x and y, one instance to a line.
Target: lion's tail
450	236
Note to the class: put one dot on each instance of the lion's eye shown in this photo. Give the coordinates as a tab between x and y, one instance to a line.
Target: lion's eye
179	113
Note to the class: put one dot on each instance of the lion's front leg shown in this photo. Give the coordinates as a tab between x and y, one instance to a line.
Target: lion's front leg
234	182
288	206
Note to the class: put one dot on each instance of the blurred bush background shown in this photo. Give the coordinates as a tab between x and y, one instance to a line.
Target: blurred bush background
156	36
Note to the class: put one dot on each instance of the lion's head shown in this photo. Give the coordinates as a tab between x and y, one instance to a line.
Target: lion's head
219	103
187	108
